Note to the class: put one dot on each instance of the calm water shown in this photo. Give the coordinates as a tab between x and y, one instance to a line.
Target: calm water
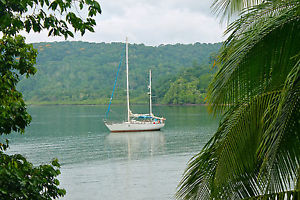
97	164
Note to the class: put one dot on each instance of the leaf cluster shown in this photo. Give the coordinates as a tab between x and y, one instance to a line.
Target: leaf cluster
56	16
16	58
19	179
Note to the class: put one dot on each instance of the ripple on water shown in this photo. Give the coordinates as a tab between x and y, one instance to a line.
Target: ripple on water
96	164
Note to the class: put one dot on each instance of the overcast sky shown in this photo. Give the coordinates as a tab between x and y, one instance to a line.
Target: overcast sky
151	22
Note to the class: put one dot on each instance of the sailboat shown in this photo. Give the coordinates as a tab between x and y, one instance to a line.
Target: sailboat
136	122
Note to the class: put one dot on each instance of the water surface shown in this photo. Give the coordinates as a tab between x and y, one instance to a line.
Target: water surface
97	164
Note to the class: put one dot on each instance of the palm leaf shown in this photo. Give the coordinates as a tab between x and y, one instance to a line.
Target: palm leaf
255	152
280	147
230	7
287	195
230	167
253	63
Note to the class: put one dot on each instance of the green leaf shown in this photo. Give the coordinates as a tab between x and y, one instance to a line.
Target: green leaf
70	33
53	5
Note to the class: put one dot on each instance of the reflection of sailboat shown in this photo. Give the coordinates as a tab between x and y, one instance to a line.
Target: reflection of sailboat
138	145
136	122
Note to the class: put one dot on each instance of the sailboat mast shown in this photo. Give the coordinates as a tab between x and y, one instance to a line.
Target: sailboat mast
127	80
150	93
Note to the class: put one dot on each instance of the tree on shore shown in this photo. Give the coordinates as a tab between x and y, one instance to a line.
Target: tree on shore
255	153
19	179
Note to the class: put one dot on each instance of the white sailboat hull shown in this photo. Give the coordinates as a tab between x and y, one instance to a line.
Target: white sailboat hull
134	127
144	122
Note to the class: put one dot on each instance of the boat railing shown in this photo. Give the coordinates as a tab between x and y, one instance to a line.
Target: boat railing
132	121
113	122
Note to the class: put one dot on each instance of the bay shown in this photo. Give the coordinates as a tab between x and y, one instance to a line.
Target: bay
96	164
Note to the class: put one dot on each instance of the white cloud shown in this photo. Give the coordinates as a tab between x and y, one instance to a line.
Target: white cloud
151	22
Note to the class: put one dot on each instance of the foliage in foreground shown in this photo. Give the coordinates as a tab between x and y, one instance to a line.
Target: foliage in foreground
19	179
255	152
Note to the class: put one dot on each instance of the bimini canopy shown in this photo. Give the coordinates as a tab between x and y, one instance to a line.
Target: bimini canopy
145	117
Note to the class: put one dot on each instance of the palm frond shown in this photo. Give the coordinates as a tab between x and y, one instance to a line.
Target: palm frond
219	162
229	166
280	147
230	7
287	195
255	151
252	62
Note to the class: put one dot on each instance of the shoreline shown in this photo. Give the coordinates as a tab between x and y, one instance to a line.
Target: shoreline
95	104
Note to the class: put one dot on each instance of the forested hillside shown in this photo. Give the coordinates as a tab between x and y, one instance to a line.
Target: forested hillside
81	72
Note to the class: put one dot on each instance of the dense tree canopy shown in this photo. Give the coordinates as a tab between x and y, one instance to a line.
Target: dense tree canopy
255	152
190	86
19	179
82	72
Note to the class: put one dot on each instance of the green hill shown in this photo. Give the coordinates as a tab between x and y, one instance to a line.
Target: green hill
72	72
